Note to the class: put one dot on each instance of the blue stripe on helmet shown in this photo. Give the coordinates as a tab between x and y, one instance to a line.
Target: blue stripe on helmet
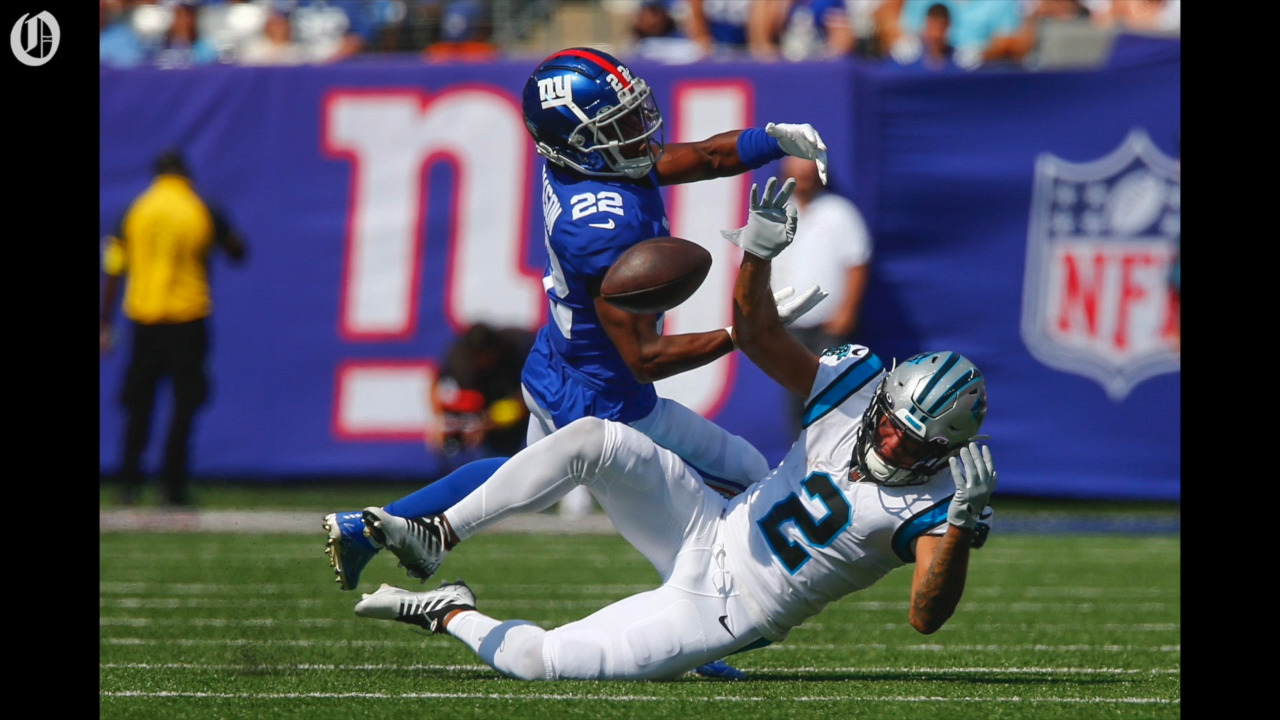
956	388
947	364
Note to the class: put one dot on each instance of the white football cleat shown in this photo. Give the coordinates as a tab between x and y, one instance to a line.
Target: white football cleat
425	609
419	543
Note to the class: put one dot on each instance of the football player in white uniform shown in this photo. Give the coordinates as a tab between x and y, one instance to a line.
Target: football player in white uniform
885	473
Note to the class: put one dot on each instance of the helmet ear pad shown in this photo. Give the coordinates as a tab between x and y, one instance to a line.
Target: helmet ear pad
586	111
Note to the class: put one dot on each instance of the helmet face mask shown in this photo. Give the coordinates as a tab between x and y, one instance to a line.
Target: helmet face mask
586	111
932	405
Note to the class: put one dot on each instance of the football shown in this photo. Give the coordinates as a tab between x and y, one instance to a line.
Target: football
656	275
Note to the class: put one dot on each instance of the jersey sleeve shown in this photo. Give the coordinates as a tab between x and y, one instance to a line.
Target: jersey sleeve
843	373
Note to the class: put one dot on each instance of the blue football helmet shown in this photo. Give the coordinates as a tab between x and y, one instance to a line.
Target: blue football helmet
585	110
937	401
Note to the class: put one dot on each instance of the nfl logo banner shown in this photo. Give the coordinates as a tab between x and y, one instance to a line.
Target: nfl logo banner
1102	238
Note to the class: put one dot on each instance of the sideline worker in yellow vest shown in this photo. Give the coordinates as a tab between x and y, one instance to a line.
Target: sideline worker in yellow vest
163	245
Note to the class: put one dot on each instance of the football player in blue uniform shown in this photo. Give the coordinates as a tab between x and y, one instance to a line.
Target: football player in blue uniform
887	472
600	132
599	129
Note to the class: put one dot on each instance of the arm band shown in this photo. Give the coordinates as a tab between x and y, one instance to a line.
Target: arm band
757	147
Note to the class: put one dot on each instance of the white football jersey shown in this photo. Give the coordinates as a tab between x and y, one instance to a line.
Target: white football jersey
808	534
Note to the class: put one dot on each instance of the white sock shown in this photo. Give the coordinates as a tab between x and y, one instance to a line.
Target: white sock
513	648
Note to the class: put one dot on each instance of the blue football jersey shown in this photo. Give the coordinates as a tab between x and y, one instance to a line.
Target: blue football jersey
574	370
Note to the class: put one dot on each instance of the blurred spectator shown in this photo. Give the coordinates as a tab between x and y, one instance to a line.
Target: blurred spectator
975	25
1144	16
119	45
466	32
275	45
231	24
837	257
866	32
420	26
719	27
800	29
477	398
656	35
182	46
1019	47
336	30
935	52
163	244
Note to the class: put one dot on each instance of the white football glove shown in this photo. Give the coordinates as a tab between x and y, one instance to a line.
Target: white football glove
801	141
771	223
791	310
973	486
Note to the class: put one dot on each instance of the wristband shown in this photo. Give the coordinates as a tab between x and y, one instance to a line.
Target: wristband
731	338
757	147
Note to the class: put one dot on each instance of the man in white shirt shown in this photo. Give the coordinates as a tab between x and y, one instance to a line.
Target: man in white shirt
836	257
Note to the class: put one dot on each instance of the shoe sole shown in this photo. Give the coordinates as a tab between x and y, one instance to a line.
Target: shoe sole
332	549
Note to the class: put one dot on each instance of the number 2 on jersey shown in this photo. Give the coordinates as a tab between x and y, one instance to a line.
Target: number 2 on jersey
817	532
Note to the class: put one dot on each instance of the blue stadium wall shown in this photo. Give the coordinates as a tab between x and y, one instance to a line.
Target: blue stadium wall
1026	220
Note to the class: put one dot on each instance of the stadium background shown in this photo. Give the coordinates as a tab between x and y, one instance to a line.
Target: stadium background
390	202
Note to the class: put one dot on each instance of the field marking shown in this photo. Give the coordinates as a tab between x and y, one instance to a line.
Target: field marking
779	647
139	586
112	621
142	603
295	522
985	671
510	592
627	698
229	556
217	622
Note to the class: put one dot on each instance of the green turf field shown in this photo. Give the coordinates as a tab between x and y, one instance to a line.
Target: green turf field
229	625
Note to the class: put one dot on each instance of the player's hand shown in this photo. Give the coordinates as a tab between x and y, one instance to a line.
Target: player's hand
771	222
973	486
106	340
791	308
801	141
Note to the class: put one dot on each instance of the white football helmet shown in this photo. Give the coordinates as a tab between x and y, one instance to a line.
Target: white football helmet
938	399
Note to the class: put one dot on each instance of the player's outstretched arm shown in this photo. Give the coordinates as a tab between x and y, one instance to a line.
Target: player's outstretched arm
942	563
652	356
737	151
757	327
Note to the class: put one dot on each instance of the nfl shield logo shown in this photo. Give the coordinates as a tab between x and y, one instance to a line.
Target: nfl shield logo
1102	238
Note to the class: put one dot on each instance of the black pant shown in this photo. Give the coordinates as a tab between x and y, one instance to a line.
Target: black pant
177	351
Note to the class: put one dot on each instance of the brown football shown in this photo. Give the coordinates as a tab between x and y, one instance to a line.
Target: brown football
656	275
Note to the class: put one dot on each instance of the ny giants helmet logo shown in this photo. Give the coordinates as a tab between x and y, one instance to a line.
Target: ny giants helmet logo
1099	250
555	91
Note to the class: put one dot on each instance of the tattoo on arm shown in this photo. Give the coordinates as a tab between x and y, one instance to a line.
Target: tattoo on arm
938	592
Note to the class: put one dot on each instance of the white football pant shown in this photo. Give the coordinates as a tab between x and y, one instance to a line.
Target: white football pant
658	505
